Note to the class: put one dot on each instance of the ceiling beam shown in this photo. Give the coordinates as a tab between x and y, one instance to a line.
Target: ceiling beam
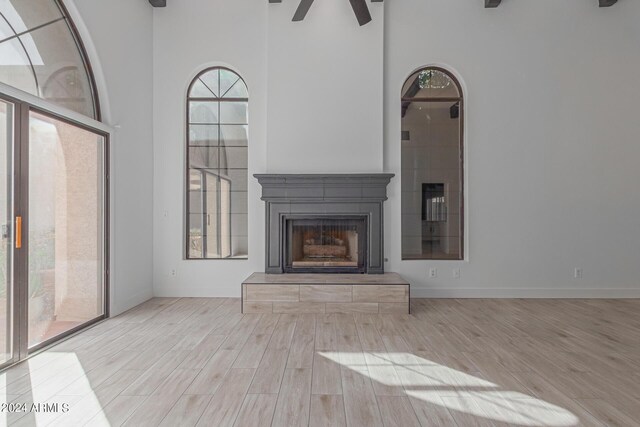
496	3
411	92
158	3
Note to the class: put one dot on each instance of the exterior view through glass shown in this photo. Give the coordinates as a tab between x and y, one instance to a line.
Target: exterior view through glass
53	181
217	141
66	227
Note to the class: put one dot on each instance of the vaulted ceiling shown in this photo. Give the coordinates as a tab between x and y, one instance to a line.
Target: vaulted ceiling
496	3
360	7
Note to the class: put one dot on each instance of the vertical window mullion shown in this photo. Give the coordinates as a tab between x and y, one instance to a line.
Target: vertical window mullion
204	231
218	183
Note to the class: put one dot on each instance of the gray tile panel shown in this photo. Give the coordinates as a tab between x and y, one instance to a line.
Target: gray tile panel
311	195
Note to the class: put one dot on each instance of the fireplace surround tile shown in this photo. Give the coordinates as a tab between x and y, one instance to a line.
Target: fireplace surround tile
291	196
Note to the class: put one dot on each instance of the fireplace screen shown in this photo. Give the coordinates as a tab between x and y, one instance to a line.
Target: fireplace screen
326	245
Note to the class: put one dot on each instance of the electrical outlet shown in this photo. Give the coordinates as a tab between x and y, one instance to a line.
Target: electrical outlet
456	273
577	273
433	273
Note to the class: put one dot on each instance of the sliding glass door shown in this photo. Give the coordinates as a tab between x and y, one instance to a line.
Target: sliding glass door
65	221
7	120
53	205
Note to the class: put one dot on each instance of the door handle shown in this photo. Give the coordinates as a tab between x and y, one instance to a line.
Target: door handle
18	232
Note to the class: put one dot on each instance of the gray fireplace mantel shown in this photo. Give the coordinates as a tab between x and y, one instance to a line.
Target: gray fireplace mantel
290	196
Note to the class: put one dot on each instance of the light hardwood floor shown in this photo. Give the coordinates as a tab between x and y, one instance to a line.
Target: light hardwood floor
197	361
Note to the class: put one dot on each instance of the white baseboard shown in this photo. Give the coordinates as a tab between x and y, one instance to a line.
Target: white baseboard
196	292
462	293
116	309
523	293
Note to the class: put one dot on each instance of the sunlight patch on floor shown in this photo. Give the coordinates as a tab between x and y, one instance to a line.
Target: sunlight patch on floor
457	391
61	390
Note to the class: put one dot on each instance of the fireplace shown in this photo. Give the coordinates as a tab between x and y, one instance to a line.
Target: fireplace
324	223
325	245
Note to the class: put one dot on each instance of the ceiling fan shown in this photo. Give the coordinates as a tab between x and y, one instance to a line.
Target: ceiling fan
359	8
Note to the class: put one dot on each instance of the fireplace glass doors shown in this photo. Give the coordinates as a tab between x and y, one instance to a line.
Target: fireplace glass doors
326	245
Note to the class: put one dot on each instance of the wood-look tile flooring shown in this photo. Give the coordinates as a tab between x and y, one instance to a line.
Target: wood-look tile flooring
196	361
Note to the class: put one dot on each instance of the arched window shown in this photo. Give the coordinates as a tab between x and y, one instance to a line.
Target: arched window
40	53
432	166
216	214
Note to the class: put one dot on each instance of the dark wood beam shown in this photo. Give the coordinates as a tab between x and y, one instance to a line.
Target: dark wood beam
158	3
492	3
607	3
410	93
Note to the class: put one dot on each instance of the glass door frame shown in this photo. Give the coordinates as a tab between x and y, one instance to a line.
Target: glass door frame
12	313
23	104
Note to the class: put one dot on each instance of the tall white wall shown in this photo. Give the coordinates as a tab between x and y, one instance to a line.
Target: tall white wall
550	126
325	78
118	37
551	142
188	37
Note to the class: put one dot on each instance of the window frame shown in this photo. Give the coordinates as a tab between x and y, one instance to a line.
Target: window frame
82	52
85	59
187	169
461	161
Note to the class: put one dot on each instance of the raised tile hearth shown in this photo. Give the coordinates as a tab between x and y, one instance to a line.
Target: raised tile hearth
325	293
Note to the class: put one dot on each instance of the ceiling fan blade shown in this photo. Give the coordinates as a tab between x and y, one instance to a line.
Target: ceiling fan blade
361	10
302	10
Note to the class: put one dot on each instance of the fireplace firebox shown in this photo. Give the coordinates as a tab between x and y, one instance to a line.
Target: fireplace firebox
326	245
324	223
